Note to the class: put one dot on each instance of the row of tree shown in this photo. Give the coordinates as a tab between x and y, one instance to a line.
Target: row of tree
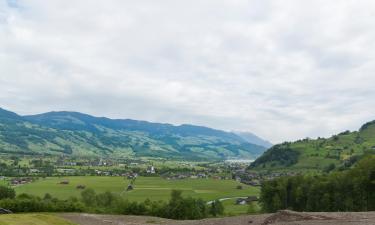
178	207
352	190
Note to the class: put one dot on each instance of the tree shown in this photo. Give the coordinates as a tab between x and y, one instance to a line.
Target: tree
216	208
7	192
105	199
351	190
185	208
88	197
252	208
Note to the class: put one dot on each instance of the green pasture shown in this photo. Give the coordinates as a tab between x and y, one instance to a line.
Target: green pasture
32	219
153	188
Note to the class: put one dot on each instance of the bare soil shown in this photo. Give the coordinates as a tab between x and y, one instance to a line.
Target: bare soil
284	217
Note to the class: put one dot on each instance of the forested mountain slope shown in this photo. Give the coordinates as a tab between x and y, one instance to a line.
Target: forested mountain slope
81	134
340	150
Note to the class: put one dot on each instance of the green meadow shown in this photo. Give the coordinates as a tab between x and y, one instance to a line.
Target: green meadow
32	219
153	188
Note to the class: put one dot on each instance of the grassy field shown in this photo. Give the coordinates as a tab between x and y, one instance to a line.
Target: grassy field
32	219
154	188
3	182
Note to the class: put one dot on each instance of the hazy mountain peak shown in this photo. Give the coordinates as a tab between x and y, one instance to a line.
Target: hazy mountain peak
252	138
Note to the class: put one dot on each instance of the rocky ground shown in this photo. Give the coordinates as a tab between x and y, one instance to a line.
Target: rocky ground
284	217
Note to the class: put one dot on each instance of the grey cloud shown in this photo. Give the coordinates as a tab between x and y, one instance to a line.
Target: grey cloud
281	69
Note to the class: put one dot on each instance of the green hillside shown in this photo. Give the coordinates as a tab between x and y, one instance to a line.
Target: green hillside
341	150
74	133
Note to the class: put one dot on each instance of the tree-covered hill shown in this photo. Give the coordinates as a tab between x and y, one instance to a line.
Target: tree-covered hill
81	134
341	150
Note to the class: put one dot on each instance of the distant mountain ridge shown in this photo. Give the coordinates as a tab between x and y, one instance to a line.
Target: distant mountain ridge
252	138
339	151
75	133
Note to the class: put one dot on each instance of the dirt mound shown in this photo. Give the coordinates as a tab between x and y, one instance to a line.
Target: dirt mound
284	217
291	216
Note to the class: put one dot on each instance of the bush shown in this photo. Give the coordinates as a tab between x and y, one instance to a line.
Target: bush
27	203
7	192
177	208
216	208
89	197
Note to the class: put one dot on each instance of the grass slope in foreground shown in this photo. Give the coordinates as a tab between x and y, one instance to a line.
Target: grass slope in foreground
341	150
153	188
32	219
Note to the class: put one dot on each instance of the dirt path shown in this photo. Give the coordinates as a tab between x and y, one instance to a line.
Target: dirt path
280	218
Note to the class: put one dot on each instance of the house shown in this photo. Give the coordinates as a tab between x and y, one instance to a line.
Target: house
244	201
151	170
70	171
5	211
130	187
18	181
81	187
34	171
254	183
64	182
202	175
241	201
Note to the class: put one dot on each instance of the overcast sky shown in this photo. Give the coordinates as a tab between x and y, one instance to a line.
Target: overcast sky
283	70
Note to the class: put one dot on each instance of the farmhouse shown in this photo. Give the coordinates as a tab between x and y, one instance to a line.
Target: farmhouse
5	211
254	183
81	187
69	171
202	175
244	201
64	182
130	187
151	170
18	181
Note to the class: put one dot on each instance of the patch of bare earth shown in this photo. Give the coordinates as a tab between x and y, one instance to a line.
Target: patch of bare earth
284	217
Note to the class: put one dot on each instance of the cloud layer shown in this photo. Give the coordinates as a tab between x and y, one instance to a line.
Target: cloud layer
281	69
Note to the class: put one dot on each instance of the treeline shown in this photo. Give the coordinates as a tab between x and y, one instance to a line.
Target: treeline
178	207
352	190
278	155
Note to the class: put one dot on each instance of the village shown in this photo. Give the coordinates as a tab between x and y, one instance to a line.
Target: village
130	169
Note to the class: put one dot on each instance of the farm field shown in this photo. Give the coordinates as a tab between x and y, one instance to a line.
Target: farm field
32	219
153	188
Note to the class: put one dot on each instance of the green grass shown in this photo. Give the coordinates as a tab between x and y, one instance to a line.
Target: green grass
3	183
32	219
154	188
319	154
232	209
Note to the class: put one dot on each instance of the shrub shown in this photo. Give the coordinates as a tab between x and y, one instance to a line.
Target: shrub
7	192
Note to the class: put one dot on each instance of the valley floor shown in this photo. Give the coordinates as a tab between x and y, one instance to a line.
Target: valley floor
280	218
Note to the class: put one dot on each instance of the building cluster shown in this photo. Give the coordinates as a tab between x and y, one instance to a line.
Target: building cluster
256	179
183	175
20	180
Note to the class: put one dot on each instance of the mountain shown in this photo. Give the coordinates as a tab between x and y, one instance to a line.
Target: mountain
75	133
339	151
252	138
